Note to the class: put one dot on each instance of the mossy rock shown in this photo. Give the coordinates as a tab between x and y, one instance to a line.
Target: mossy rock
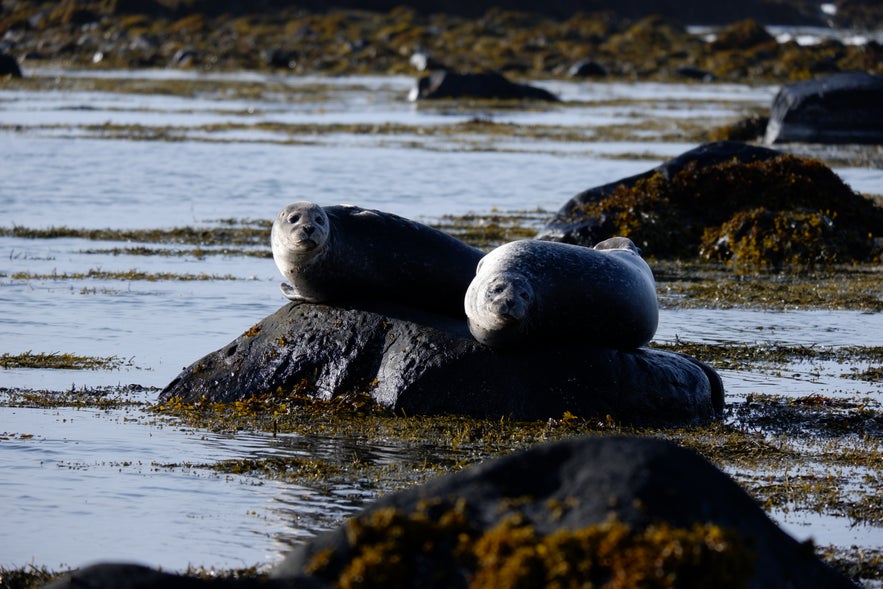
597	511
693	204
762	238
744	34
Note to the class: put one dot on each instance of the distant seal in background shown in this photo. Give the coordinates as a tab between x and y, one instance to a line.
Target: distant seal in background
533	292
345	253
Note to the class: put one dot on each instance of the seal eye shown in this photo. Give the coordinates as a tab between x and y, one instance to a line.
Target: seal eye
319	220
294	218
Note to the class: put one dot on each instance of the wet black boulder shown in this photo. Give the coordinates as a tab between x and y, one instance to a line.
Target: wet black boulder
842	108
416	363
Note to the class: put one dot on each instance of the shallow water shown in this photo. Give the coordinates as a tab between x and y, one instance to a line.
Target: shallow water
105	475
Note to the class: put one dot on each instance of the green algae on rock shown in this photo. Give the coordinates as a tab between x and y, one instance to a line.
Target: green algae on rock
123	275
394	548
60	361
757	209
607	509
226	233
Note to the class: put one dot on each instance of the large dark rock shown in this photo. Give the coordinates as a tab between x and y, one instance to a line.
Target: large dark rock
570	225
488	85
745	205
498	513
842	108
416	363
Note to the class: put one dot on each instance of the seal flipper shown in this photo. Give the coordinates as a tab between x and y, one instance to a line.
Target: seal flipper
289	292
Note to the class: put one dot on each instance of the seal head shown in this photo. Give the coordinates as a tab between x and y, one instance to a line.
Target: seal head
344	254
537	293
299	237
500	306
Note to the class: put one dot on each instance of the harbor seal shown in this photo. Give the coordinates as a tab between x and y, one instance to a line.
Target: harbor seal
345	253
537	292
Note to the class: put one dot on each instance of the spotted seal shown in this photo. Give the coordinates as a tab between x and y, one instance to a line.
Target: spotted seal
344	253
534	291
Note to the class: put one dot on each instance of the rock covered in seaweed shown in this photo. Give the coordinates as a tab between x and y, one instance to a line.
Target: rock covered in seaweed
643	511
416	363
729	201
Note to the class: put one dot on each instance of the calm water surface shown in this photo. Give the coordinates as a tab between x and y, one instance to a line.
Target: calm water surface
133	484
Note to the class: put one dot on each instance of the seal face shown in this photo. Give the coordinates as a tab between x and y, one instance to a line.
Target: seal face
345	253
299	233
540	292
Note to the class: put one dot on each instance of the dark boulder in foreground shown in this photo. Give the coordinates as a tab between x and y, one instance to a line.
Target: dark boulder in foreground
572	513
747	205
842	108
415	363
486	85
582	512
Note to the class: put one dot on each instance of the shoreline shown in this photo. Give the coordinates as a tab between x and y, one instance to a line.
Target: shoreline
347	42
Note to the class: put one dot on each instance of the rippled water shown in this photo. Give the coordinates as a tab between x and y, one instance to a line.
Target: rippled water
118	477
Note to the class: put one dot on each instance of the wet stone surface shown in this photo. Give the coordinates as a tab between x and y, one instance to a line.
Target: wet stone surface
416	363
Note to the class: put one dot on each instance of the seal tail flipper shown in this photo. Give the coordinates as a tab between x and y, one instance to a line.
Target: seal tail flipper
289	292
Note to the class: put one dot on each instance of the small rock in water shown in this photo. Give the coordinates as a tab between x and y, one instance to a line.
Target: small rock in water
485	85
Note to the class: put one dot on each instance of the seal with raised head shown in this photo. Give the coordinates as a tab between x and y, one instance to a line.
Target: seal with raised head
539	292
345	253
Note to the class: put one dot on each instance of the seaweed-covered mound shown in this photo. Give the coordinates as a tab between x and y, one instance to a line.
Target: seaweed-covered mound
750	206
